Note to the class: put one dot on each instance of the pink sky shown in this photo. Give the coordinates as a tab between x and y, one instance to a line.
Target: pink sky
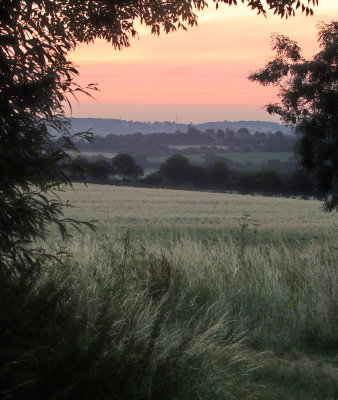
194	76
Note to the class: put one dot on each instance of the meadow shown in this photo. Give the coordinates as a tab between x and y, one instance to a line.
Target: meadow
197	146
109	155
160	213
240	157
240	292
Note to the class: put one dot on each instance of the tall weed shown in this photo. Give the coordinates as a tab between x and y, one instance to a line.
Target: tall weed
87	330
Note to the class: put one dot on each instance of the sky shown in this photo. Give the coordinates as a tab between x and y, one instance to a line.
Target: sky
194	76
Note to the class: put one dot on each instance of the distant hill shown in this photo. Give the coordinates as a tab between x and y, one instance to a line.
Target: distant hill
106	126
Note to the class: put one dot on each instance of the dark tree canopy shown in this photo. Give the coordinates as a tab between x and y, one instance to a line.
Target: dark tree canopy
36	78
77	168
100	170
176	169
265	181
309	102
218	172
125	166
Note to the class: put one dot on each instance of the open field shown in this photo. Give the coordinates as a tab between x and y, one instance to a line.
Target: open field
201	214
197	146
93	153
197	158
249	285
254	158
257	158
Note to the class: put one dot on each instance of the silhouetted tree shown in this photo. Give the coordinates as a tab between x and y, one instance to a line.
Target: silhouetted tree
309	102
77	168
192	130
218	173
177	169
299	183
243	133
199	176
264	182
125	166
220	135
100	170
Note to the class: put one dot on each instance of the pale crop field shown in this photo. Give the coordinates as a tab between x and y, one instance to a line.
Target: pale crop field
266	267
92	153
197	146
158	210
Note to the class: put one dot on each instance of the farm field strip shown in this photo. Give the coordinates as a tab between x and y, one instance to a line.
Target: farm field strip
93	153
198	146
157	209
254	158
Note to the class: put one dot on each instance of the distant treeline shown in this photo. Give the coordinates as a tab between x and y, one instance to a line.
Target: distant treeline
240	140
178	172
104	126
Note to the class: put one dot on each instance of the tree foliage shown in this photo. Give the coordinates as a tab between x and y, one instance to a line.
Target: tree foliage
264	181
308	92
125	166
218	172
36	79
176	169
100	170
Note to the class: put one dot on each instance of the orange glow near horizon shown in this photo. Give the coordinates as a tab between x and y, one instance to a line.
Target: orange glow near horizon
199	75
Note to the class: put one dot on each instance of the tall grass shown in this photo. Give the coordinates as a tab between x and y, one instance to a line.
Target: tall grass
280	298
276	296
116	322
180	311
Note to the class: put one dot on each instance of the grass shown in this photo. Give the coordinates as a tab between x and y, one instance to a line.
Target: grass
269	262
181	295
289	315
254	158
94	153
296	376
115	322
160	213
197	146
197	158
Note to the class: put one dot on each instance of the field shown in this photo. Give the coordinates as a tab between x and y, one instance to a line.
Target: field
94	153
155	211
257	158
197	146
256	277
254	158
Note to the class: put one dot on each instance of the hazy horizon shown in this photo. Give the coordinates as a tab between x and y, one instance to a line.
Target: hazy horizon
194	76
154	112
